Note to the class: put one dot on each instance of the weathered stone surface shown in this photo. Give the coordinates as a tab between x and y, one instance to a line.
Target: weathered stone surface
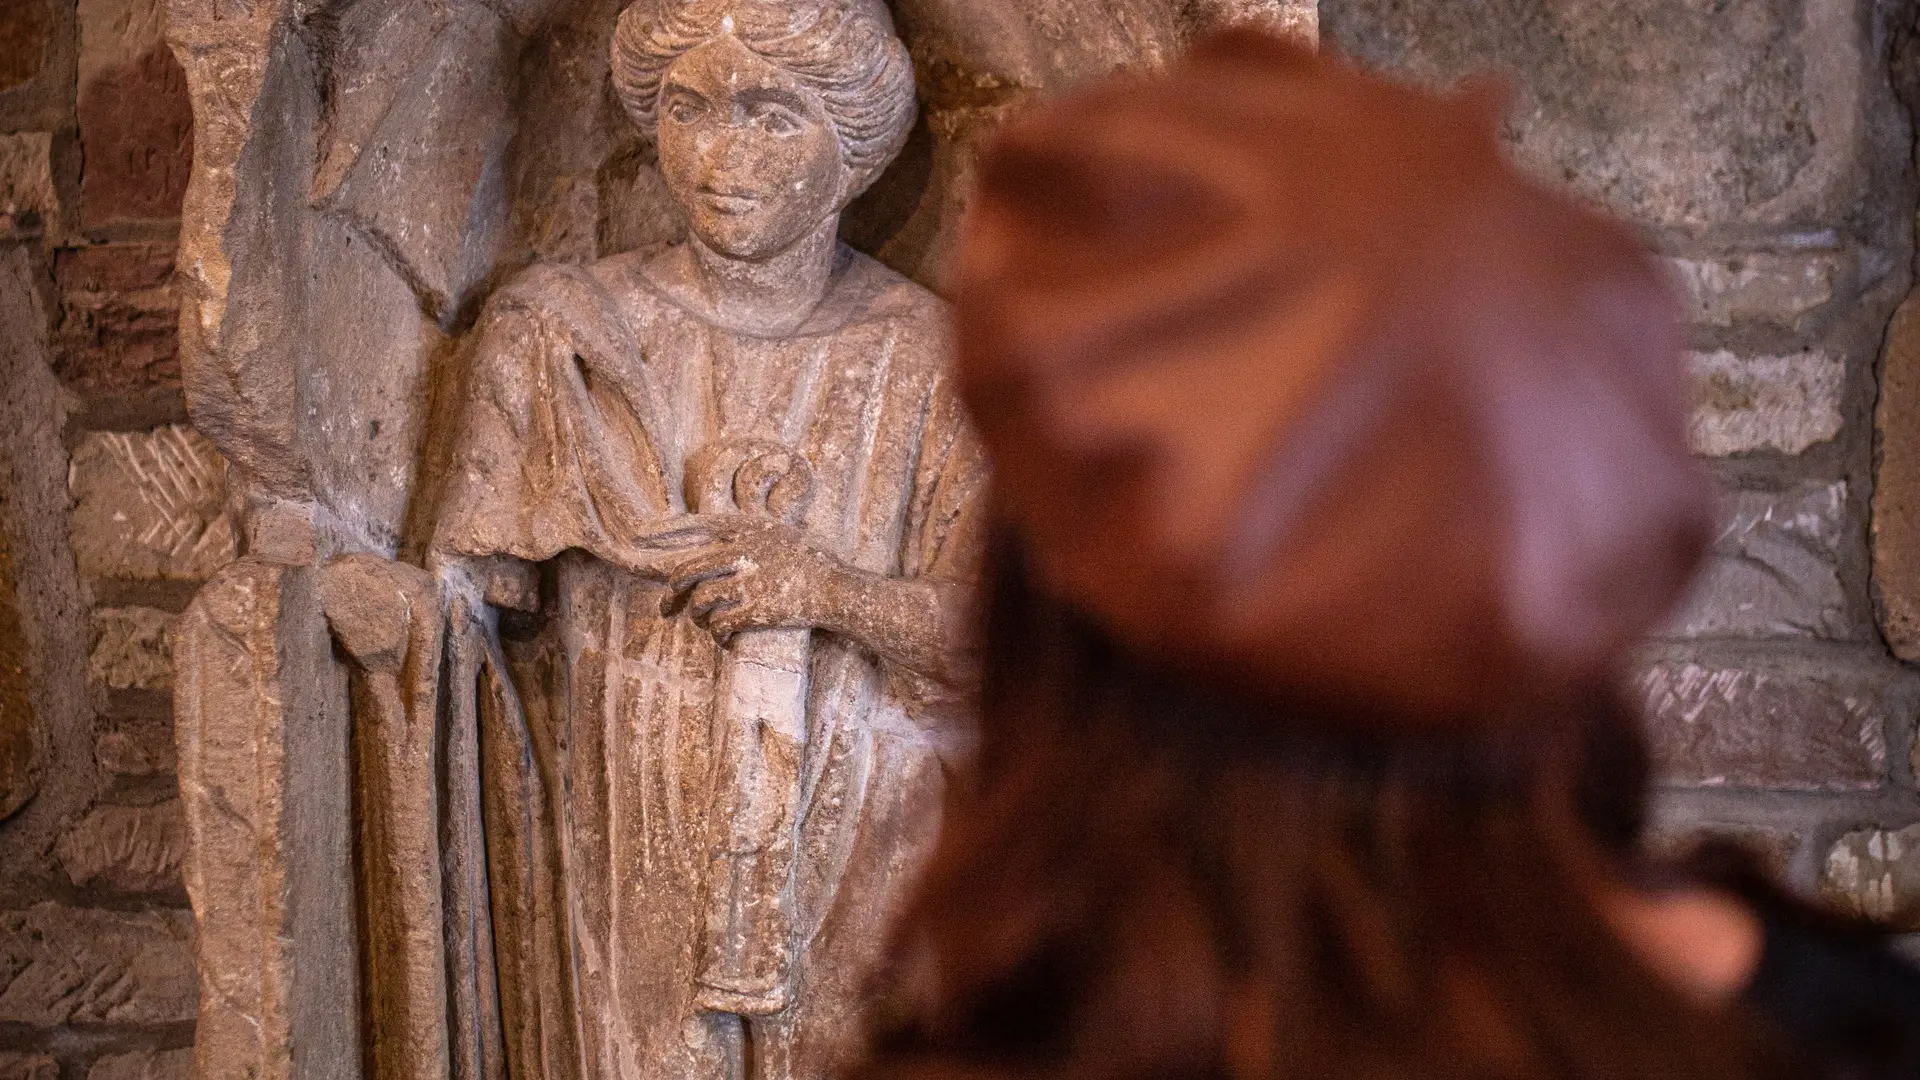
28	1067
1774	568
1679	114
263	740
63	965
136	748
17	737
132	649
1756	286
1773	847
1770	724
119	316
150	505
1895	531
1747	403
144	1065
126	849
136	122
23	40
28	203
1876	873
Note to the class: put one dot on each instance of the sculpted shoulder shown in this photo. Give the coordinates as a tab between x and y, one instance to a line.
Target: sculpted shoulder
917	316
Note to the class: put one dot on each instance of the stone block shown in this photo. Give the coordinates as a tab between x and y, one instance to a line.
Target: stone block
1680	115
1875	873
150	506
28	1067
126	849
1773	847
1747	403
28	203
1774	569
118	327
136	120
24	28
132	649
1895	533
61	965
1756	286
1764	723
18	741
134	749
145	1065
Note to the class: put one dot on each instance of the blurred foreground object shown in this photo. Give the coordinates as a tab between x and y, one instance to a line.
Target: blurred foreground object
1292	380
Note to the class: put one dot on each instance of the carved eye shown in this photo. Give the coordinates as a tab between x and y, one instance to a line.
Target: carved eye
684	110
775	120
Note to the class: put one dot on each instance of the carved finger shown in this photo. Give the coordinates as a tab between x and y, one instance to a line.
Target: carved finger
685	576
708	600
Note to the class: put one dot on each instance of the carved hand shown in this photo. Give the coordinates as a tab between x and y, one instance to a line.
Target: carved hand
735	572
758	574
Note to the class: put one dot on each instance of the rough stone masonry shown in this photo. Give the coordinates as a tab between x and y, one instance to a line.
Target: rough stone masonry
1765	145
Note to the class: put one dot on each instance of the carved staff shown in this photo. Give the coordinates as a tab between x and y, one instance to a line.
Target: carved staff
760	713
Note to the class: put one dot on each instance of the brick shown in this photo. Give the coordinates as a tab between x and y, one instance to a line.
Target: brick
28	204
24	26
126	849
132	649
1774	569
1764	723
145	1065
1895	522
118	328
1875	873
1756	286
1681	115
61	965
28	1067
1747	403
136	120
150	506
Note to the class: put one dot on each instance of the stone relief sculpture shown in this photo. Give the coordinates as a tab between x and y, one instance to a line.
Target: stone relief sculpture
751	486
577	708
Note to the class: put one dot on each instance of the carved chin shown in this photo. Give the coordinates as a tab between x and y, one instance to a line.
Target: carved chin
747	233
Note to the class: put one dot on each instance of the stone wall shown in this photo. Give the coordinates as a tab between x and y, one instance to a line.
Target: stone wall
111	509
1762	144
1764	147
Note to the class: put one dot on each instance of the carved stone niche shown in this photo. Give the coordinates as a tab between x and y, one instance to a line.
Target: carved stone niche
580	705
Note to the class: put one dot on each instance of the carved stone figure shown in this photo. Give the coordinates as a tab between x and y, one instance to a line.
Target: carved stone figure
740	465
576	707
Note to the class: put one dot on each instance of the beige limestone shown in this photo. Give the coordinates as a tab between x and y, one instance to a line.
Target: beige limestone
132	649
151	505
1725	290
1747	403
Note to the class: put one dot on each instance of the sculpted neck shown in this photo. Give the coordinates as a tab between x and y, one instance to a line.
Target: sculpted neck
772	296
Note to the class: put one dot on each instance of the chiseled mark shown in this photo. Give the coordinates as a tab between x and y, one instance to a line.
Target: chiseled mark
181	479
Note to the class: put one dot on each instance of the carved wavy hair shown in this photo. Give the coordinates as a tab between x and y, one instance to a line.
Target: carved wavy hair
844	50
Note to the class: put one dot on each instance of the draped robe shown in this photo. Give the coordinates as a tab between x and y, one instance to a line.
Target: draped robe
597	728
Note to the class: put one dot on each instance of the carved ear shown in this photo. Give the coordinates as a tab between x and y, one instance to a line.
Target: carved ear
1487	97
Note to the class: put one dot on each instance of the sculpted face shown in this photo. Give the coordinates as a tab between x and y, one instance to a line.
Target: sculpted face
746	151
